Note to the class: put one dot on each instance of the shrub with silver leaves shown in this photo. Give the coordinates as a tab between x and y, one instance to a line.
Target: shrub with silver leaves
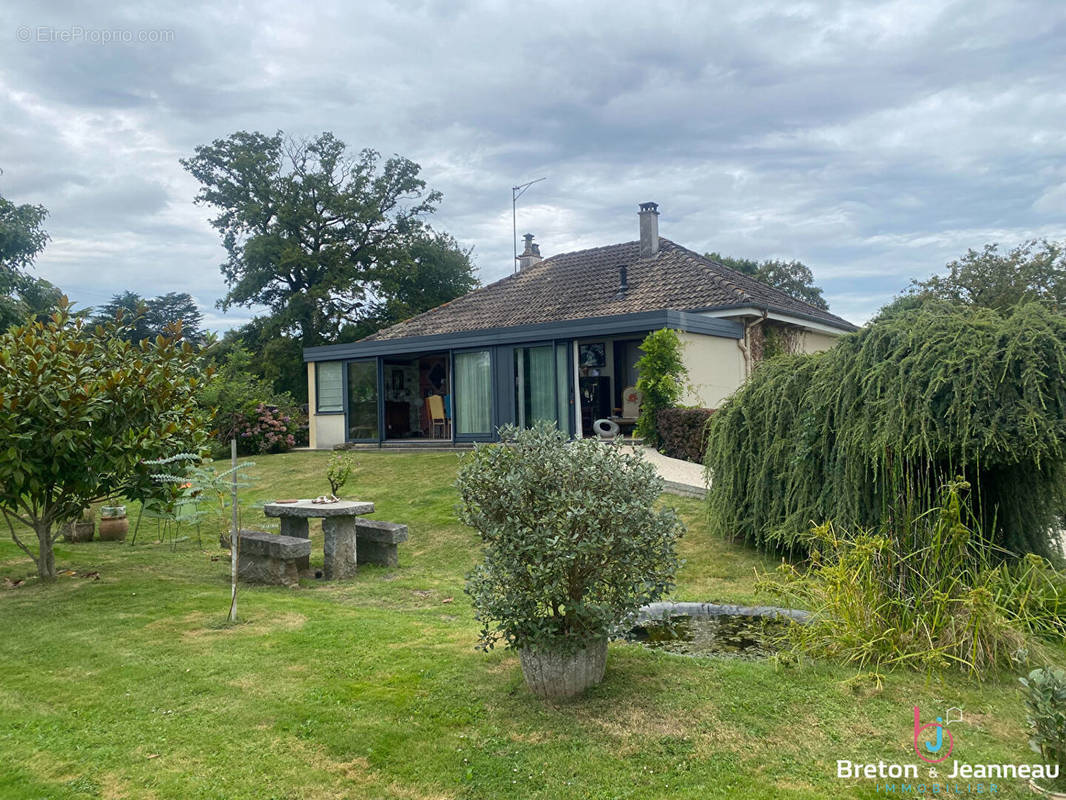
573	541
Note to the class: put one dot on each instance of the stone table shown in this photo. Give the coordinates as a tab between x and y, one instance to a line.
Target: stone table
338	529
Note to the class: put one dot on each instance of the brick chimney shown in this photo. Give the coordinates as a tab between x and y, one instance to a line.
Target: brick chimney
649	229
529	256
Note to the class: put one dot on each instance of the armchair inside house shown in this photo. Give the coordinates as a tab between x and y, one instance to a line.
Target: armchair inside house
630	410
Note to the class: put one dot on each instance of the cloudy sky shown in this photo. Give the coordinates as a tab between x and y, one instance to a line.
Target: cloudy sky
873	141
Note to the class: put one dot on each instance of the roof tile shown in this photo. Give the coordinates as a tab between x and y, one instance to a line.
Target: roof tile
585	284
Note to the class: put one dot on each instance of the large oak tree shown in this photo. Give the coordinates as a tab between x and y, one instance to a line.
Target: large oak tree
309	230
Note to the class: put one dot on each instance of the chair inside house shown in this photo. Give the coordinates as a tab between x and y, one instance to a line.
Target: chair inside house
630	410
438	417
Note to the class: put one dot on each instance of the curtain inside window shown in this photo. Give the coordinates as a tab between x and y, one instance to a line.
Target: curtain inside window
562	388
540	385
473	392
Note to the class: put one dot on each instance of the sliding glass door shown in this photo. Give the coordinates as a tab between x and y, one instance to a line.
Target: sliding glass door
473	393
542	386
362	401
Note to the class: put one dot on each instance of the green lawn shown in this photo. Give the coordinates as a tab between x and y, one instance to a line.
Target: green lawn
132	686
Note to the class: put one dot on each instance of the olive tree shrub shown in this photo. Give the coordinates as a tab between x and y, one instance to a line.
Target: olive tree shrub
573	541
81	409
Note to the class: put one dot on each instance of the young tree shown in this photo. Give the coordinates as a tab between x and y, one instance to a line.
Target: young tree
1031	272
307	228
794	278
80	409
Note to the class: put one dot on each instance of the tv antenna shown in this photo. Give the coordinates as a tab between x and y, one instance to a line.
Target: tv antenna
516	192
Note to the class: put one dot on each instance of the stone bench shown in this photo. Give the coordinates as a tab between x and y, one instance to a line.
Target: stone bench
378	541
268	558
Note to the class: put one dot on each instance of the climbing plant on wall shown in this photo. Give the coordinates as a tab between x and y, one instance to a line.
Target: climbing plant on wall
661	379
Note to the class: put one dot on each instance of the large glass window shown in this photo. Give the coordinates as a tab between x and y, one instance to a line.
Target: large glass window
535	385
329	387
473	392
362	400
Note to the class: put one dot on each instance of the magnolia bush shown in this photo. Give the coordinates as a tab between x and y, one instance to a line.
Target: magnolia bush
81	409
573	541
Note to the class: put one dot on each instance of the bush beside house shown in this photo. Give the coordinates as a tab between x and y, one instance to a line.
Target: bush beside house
891	413
683	432
247	408
661	376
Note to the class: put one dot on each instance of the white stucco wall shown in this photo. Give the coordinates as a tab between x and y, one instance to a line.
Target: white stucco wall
715	369
816	342
323	430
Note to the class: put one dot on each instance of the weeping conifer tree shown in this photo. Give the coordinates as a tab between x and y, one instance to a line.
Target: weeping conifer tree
865	433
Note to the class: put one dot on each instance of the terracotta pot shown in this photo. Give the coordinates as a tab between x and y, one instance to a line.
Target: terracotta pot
80	531
552	676
114	529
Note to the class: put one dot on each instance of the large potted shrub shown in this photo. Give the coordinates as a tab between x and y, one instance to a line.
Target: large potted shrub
573	545
1045	704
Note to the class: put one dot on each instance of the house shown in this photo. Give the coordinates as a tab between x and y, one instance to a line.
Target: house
557	340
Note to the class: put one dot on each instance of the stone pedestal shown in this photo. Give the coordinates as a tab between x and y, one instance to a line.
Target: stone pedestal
339	547
379	540
266	558
297	527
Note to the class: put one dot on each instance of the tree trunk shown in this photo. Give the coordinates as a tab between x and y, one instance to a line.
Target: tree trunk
46	559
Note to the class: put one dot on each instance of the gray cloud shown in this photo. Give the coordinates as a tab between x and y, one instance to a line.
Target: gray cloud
874	141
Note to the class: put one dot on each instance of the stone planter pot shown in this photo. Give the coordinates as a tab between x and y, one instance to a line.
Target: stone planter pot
557	677
114	525
79	531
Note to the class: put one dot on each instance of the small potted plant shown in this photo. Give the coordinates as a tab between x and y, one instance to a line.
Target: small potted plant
1045	704
114	524
80	530
573	546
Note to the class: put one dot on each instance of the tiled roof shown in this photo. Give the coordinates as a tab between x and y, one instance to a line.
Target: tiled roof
585	284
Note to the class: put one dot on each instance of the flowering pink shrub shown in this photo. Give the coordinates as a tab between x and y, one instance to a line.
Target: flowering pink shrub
265	430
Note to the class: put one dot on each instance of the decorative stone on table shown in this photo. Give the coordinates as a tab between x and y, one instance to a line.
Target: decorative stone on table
266	558
379	540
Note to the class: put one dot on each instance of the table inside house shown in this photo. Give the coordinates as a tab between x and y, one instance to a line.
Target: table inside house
338	530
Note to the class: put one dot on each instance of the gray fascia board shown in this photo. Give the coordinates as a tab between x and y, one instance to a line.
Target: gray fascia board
569	329
848	327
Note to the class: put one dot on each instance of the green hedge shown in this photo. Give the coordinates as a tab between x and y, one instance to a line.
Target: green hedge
873	427
683	432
